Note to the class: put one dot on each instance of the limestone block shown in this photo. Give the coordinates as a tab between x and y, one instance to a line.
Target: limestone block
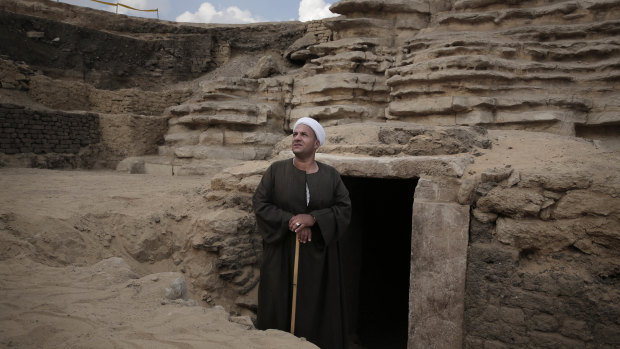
212	136
178	289
344	7
534	234
472	4
332	64
484	217
577	203
325	82
340	96
439	105
466	190
384	33
514	316
174	124
355	56
538	116
276	84
555	179
301	44
258	138
219	119
576	329
397	167
436	190
182	138
514	179
184	152
439	254
332	112
224	152
265	67
236	106
474	117
450	75
596	235
512	202
496	174
552	195
409	22
302	55
235	86
244	321
224	181
407	91
548	203
165	150
249	168
234	137
249	184
604	117
346	44
177	110
500	15
222	222
463	103
343	23
437	141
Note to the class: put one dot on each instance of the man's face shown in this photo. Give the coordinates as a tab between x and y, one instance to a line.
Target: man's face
304	141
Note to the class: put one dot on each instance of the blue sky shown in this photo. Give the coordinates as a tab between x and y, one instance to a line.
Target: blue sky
221	11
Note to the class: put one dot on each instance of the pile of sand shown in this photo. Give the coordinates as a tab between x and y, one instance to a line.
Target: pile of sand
62	287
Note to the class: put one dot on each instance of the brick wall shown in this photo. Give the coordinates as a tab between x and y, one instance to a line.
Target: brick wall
547	279
319	29
24	130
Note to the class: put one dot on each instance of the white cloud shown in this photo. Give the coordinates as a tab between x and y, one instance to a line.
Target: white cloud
314	9
208	14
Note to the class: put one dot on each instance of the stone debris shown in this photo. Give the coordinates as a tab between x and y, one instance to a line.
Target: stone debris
178	290
266	67
244	321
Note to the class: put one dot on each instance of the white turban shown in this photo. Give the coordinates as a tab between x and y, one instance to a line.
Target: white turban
315	126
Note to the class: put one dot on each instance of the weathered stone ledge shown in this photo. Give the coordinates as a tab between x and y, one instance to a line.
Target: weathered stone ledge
397	167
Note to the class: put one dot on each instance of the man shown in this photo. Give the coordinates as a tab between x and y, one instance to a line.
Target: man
303	199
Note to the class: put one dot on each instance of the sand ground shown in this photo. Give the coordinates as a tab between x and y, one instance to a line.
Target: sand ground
62	287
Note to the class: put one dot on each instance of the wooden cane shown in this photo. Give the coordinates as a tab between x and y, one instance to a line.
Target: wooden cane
295	270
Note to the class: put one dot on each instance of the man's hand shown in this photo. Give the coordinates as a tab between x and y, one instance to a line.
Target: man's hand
304	235
301	224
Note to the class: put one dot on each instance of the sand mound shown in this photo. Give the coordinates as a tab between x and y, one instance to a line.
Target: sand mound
77	270
106	305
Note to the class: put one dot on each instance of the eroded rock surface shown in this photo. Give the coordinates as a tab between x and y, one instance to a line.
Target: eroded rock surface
443	91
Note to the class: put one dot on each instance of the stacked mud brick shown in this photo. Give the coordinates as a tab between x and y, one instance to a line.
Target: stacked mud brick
24	130
319	29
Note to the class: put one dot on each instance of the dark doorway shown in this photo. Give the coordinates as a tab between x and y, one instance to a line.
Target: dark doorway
376	261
